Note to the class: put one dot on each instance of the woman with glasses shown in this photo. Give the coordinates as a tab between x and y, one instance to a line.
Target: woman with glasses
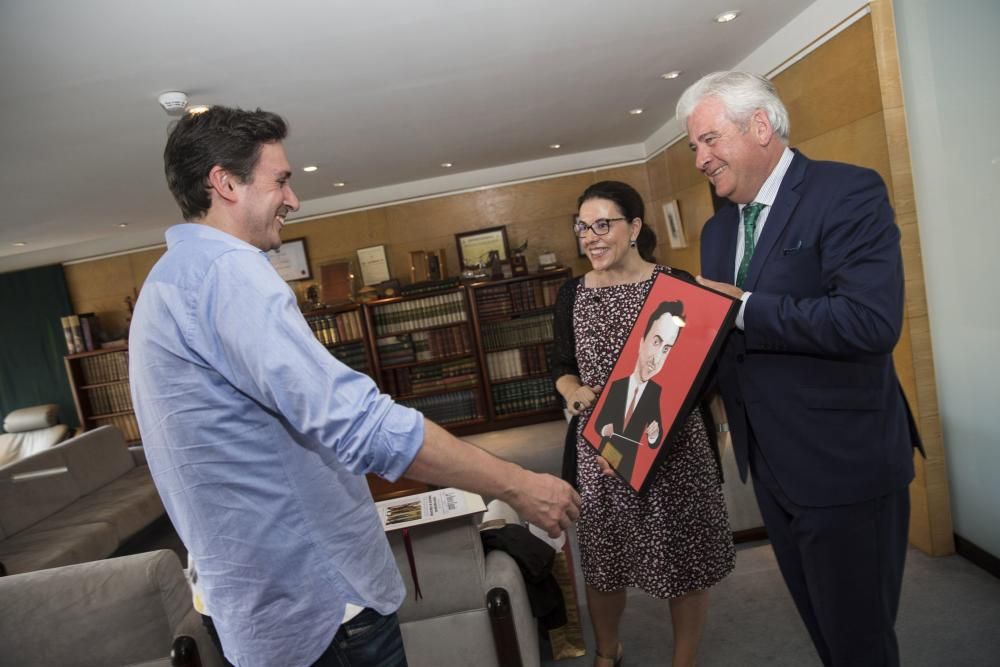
674	540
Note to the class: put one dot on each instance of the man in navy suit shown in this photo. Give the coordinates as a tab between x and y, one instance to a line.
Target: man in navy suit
814	405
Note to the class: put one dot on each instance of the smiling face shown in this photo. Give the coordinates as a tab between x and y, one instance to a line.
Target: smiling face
610	250
266	198
655	347
736	159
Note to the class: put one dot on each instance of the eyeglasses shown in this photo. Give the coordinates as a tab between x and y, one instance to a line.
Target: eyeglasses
601	226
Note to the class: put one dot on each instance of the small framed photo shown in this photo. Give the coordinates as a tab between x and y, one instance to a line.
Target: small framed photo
658	377
291	260
374	265
675	228
474	248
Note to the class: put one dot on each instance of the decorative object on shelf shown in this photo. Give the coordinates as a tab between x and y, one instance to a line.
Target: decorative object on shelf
291	260
675	228
388	288
367	293
547	261
418	266
374	265
436	265
337	279
427	265
474	247
312	301
496	268
518	264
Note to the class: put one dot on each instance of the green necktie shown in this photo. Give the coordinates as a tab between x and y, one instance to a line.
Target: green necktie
750	214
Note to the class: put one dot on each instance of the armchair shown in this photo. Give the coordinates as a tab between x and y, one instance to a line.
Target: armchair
133	610
30	430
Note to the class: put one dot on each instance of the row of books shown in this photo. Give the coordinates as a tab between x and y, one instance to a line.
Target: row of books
336	327
416	379
522	331
108	398
108	367
423	345
353	355
502	300
429	311
127	424
533	394
82	332
457	406
517	362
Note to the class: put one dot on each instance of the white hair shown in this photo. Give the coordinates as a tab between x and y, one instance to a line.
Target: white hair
741	93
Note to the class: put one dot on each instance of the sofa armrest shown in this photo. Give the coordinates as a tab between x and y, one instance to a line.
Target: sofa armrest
138	454
502	572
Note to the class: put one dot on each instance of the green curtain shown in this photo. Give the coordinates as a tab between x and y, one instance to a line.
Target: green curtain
32	344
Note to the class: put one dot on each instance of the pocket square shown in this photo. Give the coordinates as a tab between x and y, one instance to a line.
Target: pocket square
792	250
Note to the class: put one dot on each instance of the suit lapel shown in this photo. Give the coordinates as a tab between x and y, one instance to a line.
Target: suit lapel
777	218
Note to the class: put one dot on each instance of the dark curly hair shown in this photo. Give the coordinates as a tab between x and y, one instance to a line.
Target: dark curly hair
224	136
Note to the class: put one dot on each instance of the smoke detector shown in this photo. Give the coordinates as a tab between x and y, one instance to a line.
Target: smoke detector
174	103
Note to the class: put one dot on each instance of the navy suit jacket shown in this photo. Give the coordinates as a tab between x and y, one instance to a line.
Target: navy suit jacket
812	371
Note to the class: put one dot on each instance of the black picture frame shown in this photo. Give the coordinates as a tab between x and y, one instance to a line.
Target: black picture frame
291	260
580	250
708	316
474	247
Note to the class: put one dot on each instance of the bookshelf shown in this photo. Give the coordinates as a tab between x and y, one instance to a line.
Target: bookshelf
343	331
425	356
99	382
513	319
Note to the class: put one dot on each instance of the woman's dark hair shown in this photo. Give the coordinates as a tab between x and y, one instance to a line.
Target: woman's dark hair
629	202
673	308
224	136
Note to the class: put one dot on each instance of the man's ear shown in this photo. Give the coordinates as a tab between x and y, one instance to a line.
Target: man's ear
223	183
761	126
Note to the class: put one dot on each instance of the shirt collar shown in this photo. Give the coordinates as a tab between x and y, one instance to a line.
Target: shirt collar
769	191
199	231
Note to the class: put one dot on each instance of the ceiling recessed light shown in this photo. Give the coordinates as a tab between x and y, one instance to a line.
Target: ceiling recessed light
447	165
555	146
310	168
195	110
19	244
671	75
123	225
726	17
635	112
339	184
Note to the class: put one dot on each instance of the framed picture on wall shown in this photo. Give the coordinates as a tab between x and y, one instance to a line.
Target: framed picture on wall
291	260
374	265
474	248
675	228
658	377
580	250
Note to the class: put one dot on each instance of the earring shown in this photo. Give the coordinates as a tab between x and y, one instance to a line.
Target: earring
631	244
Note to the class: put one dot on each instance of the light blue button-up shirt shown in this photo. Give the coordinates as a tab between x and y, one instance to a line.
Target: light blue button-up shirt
257	438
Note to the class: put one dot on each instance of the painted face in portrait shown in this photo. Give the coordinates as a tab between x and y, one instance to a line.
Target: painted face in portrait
655	347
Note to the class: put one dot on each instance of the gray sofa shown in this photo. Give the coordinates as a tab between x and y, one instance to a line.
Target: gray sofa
74	502
133	610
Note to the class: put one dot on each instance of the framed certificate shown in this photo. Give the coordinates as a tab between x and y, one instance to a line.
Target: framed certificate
374	265
474	248
291	260
657	379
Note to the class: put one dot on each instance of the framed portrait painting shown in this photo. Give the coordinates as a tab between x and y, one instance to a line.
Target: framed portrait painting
675	228
658	376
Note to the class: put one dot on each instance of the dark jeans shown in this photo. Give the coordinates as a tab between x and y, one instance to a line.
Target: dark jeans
367	640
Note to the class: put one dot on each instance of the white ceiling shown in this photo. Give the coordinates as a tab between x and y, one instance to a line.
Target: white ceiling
377	94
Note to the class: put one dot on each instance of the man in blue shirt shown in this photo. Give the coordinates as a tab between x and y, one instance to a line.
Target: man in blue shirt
258	438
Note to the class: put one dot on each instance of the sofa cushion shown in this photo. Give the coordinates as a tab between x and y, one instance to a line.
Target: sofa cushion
16	446
35	549
30	419
129	503
35	488
97	457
